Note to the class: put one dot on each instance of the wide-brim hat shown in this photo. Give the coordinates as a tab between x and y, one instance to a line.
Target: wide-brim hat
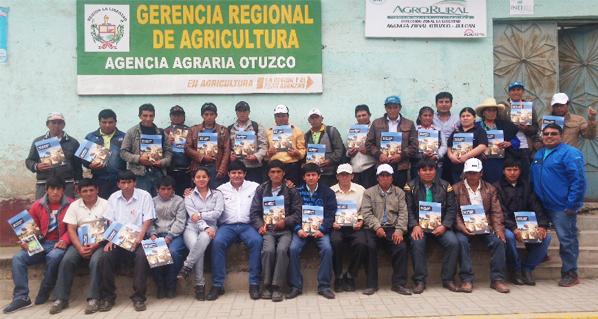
486	103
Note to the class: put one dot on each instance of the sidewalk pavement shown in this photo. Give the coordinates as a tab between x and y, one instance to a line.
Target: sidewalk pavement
545	300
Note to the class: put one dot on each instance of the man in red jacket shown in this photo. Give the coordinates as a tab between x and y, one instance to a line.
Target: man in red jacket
47	212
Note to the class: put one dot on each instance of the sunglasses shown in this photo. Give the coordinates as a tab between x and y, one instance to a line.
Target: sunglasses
551	134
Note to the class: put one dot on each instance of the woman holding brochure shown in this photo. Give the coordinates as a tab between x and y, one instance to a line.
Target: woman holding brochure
430	141
204	206
467	141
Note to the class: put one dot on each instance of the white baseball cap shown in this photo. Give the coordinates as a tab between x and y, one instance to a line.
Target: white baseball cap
344	168
472	165
55	116
281	109
314	111
384	168
559	98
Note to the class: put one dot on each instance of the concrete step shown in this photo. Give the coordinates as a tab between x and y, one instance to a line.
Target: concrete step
585	237
587	221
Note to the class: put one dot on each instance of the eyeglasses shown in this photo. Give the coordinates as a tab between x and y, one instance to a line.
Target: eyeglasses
551	134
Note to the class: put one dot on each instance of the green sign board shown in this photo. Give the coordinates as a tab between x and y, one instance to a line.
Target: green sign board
198	47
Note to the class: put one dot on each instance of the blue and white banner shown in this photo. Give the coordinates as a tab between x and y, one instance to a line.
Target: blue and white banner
3	34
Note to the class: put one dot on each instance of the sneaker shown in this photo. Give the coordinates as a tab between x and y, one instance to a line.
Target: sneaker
58	306
105	305
200	293
569	279
17	304
42	296
92	306
139	305
184	272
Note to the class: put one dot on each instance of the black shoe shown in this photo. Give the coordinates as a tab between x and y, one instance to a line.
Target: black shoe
569	279
266	293
276	295
293	293
369	291
139	305
184	272
517	278
160	292
105	305
400	289
200	293
42	296
215	292
419	287
528	278
254	292
326	293
450	285
92	306
170	293
349	284
17	304
338	284
58	306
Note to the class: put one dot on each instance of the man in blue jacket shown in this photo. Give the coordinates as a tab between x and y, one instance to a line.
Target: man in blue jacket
559	183
107	135
313	193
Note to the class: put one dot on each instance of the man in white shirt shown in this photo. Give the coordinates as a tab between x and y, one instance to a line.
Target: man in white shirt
347	232
234	225
89	209
446	122
132	207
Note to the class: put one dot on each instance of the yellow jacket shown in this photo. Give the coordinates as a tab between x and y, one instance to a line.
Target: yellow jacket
298	142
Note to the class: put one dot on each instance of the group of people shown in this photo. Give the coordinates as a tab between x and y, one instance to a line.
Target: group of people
194	199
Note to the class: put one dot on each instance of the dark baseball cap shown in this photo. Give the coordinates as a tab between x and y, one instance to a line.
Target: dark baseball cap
242	106
176	109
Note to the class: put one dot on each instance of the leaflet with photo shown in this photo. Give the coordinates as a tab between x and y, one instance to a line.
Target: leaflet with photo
390	143
92	232
93	153
428	140
207	143
527	223
316	153
521	113
50	151
156	252
346	213
357	135
312	218
180	139
122	235
282	138
273	210
552	119
430	215
462	143
495	137
27	231
152	146
244	143
475	219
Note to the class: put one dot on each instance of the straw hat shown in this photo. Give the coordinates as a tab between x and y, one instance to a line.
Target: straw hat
486	103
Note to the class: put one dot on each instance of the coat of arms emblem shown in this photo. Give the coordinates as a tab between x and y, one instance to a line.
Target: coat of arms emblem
107	35
106	28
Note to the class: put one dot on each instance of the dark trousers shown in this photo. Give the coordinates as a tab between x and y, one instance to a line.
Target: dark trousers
119	256
255	174
343	239
450	246
165	276
328	180
292	172
366	178
275	257
399	178
106	186
497	257
182	181
398	255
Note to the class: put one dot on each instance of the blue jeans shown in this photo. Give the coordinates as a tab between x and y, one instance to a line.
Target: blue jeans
165	276
225	236
325	270
535	252
148	181
566	230
497	257
52	256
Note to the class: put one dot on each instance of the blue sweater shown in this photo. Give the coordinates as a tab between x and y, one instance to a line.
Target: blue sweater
325	197
559	180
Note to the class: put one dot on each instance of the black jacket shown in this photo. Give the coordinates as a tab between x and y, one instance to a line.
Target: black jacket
442	193
520	197
70	170
292	205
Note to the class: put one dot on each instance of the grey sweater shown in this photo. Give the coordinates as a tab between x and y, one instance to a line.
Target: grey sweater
171	216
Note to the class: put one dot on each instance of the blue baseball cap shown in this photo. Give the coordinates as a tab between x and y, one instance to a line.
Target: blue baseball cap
393	99
516	84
